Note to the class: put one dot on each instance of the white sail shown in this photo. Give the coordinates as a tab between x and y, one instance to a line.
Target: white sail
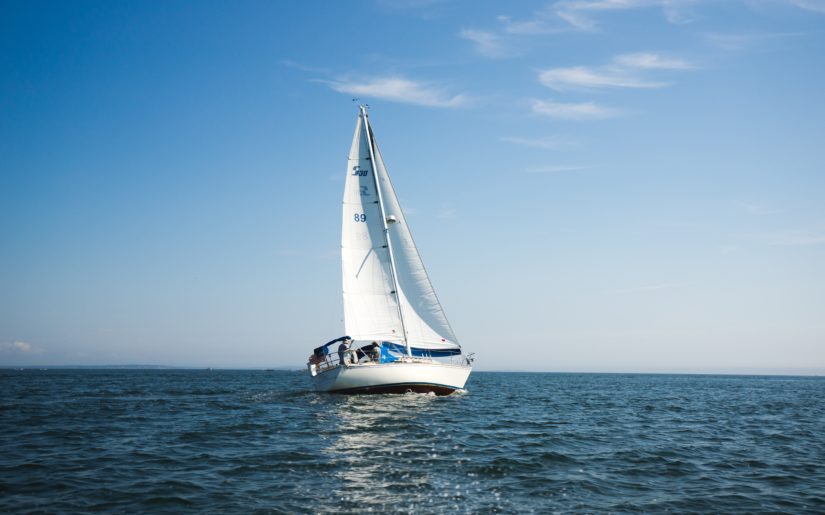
424	319
371	304
370	307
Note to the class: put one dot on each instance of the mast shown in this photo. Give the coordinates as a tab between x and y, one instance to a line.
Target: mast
386	231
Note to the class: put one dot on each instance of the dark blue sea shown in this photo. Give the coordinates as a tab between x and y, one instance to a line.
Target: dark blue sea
136	441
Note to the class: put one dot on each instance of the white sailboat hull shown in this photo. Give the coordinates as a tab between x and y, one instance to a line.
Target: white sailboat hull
418	376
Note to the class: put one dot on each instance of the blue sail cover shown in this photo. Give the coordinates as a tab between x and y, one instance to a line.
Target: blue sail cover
395	350
392	351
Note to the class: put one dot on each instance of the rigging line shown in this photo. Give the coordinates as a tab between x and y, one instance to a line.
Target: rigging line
364	262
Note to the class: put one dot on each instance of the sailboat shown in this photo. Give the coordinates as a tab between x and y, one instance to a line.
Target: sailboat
398	337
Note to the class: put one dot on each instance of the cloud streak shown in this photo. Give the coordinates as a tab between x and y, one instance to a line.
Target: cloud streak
543	21
399	89
530	27
817	6
573	111
581	14
649	61
622	72
579	77
741	41
19	347
486	43
547	142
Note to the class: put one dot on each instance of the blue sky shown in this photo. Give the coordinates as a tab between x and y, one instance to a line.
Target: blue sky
594	185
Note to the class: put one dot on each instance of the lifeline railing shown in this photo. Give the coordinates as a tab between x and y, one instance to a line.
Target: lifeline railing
332	360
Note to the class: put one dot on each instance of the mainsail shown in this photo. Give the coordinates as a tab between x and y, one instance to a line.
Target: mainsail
386	288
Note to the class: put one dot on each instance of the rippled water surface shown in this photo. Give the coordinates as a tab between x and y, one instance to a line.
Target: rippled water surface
246	441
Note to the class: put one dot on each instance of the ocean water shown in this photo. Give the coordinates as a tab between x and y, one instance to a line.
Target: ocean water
135	441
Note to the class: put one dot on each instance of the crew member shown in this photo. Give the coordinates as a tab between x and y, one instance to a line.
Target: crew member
342	350
375	352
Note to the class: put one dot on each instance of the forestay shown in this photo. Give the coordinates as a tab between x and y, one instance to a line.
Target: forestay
372	310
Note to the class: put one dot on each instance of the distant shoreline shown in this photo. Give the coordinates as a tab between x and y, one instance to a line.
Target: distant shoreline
282	368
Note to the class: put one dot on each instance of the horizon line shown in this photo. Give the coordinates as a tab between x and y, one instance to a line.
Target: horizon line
790	372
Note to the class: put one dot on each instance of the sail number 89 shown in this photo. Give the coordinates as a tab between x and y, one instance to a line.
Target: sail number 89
360	217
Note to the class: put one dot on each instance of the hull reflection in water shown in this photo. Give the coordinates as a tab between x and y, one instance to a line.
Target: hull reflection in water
376	453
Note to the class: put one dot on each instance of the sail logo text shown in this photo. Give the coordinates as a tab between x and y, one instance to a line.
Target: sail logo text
356	170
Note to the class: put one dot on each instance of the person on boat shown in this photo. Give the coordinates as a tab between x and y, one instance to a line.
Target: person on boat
342	351
357	354
375	352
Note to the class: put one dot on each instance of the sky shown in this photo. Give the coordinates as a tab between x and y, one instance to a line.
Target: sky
594	185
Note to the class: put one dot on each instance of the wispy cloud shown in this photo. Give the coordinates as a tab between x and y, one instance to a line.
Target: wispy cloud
19	347
547	142
582	14
622	72
743	40
680	12
573	111
524	27
650	61
565	16
557	169
399	89
542	21
488	44
817	6
503	41
562	79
